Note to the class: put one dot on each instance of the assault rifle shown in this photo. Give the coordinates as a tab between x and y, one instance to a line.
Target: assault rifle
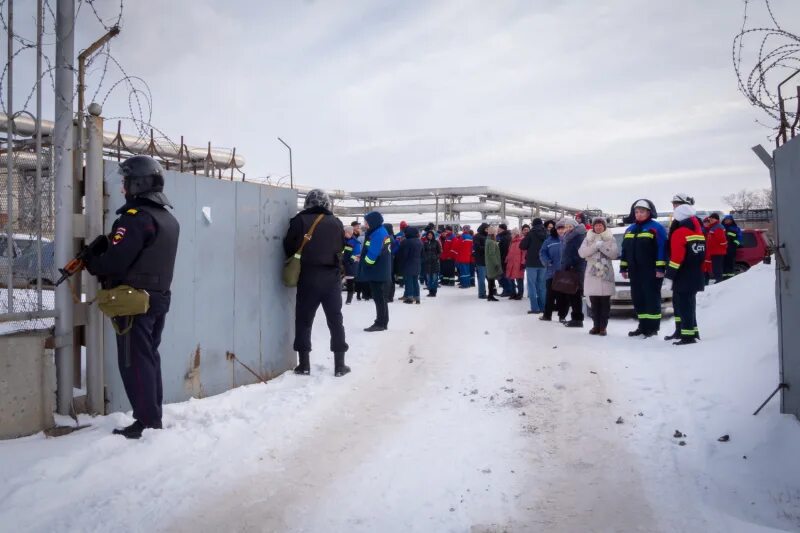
75	265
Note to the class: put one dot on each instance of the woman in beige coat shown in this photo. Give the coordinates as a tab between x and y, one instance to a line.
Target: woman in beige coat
599	248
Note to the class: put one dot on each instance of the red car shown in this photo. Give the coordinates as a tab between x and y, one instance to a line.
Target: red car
755	248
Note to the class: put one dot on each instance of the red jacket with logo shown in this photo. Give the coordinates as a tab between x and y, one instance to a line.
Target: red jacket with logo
716	241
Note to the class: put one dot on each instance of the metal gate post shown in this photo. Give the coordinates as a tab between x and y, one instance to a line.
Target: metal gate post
94	226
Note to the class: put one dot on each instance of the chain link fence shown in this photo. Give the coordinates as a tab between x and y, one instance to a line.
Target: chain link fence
27	220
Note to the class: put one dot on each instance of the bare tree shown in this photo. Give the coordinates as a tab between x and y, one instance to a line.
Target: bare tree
745	200
766	199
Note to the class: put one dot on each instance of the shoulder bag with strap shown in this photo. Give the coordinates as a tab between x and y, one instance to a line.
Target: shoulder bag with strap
291	267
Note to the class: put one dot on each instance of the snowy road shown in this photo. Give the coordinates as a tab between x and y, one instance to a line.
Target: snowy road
466	416
458	427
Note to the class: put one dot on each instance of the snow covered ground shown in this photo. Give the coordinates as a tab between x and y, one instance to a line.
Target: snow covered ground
465	416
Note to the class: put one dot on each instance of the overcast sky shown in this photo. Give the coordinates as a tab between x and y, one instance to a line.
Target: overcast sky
585	103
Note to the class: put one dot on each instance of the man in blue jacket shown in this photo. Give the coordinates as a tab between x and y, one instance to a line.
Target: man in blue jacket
734	235
644	260
375	267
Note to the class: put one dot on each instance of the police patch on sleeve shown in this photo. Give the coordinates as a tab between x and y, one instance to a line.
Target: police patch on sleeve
118	236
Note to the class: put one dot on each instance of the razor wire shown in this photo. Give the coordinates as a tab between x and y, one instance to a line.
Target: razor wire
778	56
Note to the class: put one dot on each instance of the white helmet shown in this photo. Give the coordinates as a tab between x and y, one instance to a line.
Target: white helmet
682	198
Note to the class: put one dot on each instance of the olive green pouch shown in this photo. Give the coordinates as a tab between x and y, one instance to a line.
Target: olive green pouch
123	300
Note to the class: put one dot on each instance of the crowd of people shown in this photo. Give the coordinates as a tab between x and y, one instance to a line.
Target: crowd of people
562	260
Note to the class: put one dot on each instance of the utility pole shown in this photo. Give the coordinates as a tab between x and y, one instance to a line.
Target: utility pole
64	245
291	175
10	157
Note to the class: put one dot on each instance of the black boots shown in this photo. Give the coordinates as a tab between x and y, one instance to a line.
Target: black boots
340	369
574	324
304	368
673	337
375	327
134	431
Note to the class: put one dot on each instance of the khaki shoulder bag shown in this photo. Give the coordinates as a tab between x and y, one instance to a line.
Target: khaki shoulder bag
123	301
291	267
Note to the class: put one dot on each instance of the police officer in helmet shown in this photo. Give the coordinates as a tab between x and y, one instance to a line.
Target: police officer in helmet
141	254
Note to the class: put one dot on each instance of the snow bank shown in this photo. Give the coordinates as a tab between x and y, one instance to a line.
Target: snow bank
709	390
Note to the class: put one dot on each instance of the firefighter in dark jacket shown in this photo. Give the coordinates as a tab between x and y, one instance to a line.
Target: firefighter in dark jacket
141	254
320	278
734	236
375	267
643	261
687	246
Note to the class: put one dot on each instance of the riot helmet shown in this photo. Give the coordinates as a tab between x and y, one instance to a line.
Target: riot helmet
144	178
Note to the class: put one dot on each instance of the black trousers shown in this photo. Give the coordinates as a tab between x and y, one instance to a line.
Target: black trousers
601	310
729	265
140	362
555	301
362	290
381	306
351	288
319	286
646	296
575	301
448	268
685	305
492	287
717	268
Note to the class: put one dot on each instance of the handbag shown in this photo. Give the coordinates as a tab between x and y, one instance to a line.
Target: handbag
291	267
123	301
566	281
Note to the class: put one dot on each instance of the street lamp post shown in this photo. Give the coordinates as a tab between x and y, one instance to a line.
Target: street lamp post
291	175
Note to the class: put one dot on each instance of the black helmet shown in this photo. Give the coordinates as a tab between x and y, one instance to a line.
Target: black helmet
144	178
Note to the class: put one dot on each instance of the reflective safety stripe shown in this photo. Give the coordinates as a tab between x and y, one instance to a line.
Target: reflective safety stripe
629	235
369	261
132	211
732	233
661	263
675	265
649	317
387	240
692	238
366	244
677	319
348	248
646	234
623	263
688	332
297	256
737	243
